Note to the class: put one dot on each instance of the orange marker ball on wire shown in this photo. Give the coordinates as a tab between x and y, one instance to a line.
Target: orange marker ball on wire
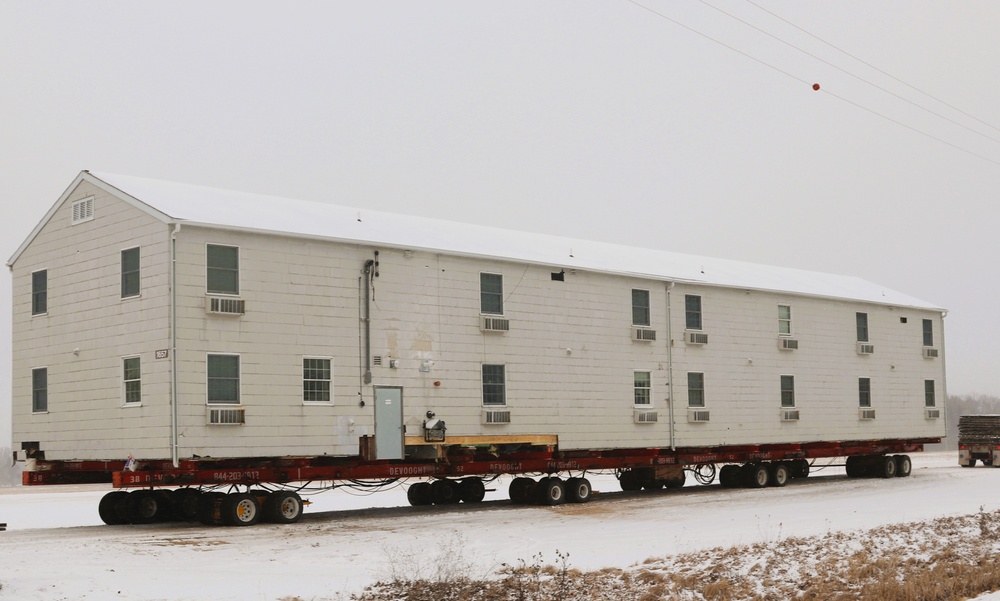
816	86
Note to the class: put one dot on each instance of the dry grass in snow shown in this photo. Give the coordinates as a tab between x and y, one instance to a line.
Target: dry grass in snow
944	559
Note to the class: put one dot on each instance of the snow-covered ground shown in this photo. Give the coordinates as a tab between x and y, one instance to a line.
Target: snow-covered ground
56	549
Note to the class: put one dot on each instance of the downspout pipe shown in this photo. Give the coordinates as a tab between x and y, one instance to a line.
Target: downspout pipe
174	436
369	269
670	370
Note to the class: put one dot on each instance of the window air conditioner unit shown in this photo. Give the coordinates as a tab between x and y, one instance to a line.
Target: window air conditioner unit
788	344
932	413
866	414
225	306
930	353
865	348
695	337
644	416
789	415
493	324
643	334
698	416
228	416
496	416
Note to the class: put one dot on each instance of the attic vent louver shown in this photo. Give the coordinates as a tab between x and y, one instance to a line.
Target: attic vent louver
83	210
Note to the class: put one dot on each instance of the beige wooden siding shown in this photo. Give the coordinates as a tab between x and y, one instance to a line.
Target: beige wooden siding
86	418
569	353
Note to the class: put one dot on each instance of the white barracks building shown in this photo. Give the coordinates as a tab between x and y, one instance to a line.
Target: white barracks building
164	320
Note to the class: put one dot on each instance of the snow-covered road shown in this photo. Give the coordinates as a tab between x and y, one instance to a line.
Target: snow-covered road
55	549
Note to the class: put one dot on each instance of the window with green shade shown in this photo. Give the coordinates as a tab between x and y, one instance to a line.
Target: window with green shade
491	293
640	307
130	272
224	379
223	275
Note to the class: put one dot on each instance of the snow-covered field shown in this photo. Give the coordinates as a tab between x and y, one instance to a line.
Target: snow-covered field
56	549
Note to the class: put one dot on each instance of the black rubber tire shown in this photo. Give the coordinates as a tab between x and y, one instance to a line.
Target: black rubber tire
520	490
109	510
677	482
972	463
630	481
779	474
472	490
886	467
653	485
729	476
755	475
856	467
904	465
210	508
241	509
185	502
578	490
550	491
445	492
419	494
800	468
148	506
283	507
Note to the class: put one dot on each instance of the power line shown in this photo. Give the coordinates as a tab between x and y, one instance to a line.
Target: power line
846	72
797	78
867	64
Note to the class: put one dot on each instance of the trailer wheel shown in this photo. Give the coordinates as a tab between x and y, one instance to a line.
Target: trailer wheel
240	509
108	508
729	476
210	508
653	485
578	490
779	474
800	468
472	490
971	463
551	491
185	502
856	467
283	507
445	492
756	475
419	494
148	506
679	481
630	481
520	490
886	467
903	465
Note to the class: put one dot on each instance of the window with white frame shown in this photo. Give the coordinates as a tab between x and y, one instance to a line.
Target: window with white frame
494	385
929	397
224	379
640	307
928	332
788	391
223	269
642	385
131	380
40	390
40	292
317	377
696	389
491	293
130	272
861	319
692	311
784	320
864	392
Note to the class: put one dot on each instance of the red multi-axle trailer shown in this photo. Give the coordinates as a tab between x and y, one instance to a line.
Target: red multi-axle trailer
243	491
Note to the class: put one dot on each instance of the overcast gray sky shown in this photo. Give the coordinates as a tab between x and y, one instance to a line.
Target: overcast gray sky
652	123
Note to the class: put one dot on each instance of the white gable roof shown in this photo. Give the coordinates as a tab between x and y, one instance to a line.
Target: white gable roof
182	203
